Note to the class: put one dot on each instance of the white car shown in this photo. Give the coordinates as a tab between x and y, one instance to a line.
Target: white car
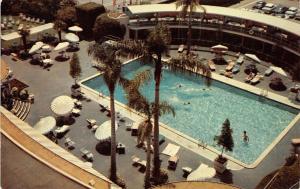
293	9
268	8
290	14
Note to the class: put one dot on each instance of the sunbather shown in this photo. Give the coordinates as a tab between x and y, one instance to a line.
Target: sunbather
249	77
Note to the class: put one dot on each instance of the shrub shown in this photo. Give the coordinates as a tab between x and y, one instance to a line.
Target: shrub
87	14
105	26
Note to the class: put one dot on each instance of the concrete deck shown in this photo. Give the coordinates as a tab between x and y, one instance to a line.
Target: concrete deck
46	85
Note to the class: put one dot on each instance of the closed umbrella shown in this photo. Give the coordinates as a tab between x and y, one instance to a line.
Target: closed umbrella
201	173
71	37
253	57
103	132
45	125
61	46
75	29
62	105
36	47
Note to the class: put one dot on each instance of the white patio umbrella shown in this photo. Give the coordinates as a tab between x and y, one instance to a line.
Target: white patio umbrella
72	37
103	132
62	105
253	57
45	125
61	46
219	48
201	173
75	29
36	47
278	70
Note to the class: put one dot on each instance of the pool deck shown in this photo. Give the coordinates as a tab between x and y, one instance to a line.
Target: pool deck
48	84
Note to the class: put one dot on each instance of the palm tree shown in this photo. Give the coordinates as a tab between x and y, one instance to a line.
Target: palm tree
188	7
24	34
157	44
59	26
138	102
105	55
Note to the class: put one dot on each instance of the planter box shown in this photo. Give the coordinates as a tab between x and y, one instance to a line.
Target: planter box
219	166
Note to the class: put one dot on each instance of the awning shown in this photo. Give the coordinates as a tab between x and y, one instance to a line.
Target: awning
45	125
62	105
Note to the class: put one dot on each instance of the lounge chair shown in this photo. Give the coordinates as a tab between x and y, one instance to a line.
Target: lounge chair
236	69
230	65
296	142
94	128
211	65
269	72
69	143
87	154
255	80
135	160
180	48
75	111
249	77
173	160
91	122
186	171
227	73
61	131
240	60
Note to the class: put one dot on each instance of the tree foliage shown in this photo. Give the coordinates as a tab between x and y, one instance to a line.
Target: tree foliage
75	68
105	26
67	14
225	139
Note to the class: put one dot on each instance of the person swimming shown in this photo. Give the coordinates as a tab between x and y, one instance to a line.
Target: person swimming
245	137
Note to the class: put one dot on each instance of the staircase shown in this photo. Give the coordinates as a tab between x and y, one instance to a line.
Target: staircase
21	109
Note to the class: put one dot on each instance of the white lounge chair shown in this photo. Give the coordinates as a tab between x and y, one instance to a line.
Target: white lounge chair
87	154
91	122
62	129
255	80
69	143
180	48
75	111
94	128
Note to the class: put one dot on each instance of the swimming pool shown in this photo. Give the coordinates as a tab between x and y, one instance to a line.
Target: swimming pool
200	111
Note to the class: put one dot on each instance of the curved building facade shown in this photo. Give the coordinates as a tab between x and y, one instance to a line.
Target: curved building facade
271	38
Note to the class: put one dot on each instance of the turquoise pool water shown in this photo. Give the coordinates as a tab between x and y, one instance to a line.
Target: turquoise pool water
202	118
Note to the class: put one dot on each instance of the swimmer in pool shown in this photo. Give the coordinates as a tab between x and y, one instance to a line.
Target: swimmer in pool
245	137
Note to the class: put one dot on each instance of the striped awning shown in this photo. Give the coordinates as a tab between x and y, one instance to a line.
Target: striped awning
62	105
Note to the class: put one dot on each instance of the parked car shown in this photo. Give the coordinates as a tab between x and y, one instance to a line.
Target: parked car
259	5
268	8
293	9
290	14
297	16
280	9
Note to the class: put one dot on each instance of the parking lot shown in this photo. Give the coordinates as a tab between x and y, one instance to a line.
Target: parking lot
248	5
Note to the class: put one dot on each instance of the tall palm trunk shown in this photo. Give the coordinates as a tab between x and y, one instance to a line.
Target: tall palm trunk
156	160
189	37
59	34
24	42
113	167
148	165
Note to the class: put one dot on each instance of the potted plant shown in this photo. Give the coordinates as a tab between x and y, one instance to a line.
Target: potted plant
226	141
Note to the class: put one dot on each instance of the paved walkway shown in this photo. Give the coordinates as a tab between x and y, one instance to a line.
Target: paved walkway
46	85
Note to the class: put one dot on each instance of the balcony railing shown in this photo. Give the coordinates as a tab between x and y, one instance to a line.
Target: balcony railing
220	26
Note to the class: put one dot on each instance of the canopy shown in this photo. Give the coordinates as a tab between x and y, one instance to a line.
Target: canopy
62	105
75	29
201	173
103	132
72	37
278	70
36	47
219	48
45	125
253	57
61	46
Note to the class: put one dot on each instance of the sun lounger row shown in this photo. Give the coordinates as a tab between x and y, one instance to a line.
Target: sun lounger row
253	79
